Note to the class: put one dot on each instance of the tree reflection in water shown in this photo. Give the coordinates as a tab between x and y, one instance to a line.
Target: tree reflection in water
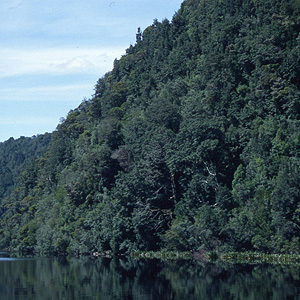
107	279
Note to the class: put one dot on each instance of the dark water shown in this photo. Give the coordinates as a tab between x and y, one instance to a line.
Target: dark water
105	279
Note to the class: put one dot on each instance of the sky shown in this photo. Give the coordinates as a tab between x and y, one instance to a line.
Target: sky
52	53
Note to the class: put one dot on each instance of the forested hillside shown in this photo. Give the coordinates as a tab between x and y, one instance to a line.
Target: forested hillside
15	155
190	142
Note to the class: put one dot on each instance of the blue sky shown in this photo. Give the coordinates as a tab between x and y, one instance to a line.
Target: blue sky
52	52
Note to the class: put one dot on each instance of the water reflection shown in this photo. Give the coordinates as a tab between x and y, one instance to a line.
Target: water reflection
106	279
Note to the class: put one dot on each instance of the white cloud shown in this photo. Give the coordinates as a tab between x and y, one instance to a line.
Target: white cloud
68	19
28	121
45	93
57	60
20	93
52	53
75	64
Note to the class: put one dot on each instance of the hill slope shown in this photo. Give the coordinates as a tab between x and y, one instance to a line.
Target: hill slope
190	142
15	155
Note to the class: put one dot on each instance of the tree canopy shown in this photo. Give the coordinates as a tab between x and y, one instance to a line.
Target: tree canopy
190	142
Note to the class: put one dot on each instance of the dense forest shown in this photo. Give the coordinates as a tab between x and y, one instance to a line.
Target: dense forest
190	142
15	155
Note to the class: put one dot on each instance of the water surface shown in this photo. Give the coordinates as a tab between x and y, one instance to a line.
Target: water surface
105	279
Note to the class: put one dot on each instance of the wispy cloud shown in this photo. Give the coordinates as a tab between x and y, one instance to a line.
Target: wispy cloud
52	53
28	121
45	93
75	64
57	60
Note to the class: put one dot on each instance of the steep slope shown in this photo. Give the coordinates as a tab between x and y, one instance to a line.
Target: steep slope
190	142
14	155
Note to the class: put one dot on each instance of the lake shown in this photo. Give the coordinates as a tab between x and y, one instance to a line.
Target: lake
126	278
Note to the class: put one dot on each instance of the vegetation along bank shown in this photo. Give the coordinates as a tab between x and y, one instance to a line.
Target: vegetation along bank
190	142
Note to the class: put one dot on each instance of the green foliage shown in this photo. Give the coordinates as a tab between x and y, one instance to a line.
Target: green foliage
189	143
15	155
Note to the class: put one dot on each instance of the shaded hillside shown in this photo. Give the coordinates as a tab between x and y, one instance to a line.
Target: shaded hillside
190	142
15	155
